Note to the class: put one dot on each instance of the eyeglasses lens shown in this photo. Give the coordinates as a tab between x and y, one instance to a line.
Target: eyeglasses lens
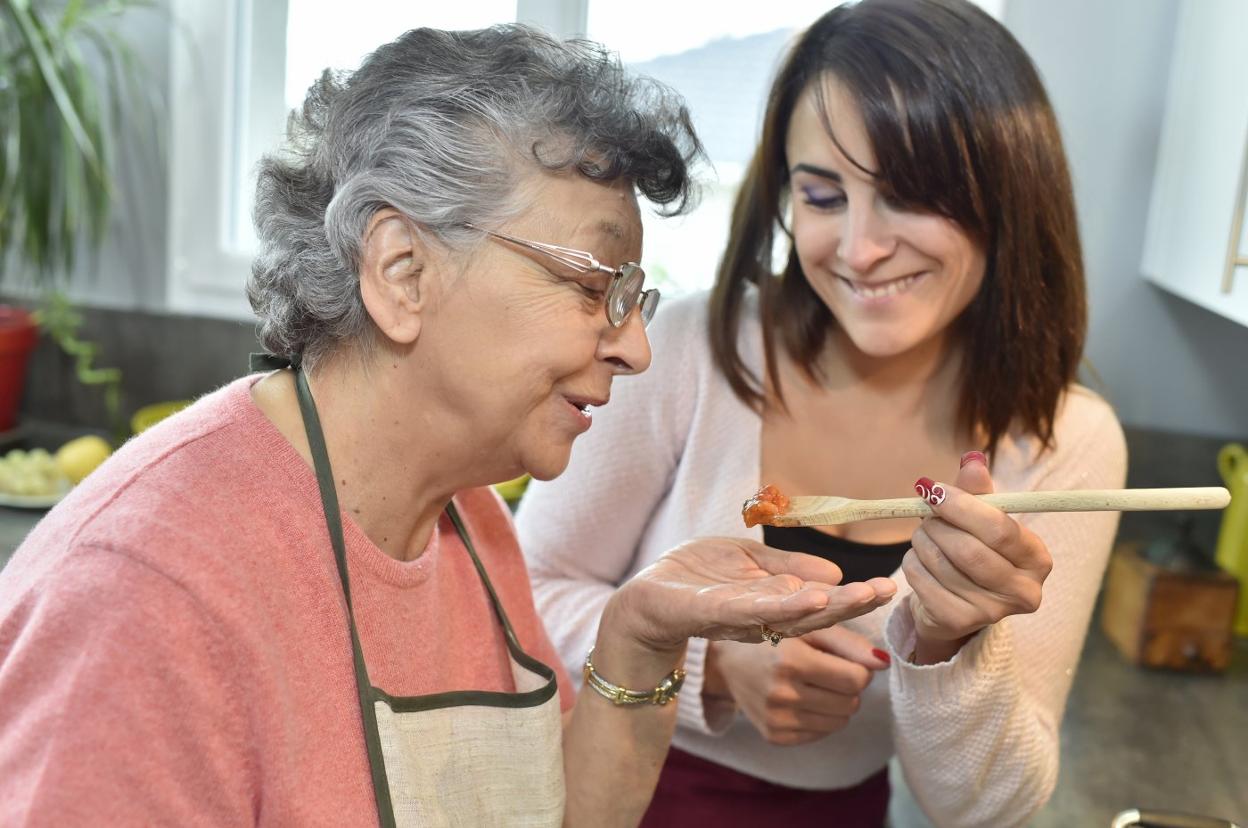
649	304
624	292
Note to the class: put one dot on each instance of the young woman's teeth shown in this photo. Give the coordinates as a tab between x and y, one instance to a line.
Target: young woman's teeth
892	288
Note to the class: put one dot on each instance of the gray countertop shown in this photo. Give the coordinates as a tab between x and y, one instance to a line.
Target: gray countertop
14	525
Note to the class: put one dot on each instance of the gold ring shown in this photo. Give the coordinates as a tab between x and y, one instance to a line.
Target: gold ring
771	636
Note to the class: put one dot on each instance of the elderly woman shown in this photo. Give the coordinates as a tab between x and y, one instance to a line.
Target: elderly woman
295	603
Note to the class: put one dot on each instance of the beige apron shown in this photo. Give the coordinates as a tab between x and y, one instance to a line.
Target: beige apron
465	758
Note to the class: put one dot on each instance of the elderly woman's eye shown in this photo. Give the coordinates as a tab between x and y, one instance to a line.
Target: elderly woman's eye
592	286
592	291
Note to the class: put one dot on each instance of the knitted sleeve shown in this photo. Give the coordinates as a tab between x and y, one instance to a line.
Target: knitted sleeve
120	712
977	736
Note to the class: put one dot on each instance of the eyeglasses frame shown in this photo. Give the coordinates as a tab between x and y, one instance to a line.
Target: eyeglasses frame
584	262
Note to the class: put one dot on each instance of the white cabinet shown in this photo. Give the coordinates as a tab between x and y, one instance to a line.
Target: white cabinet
1197	238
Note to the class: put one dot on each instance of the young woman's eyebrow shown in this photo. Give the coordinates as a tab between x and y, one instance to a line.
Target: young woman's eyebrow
819	171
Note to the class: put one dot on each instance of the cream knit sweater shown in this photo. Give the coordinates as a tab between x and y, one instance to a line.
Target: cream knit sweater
672	458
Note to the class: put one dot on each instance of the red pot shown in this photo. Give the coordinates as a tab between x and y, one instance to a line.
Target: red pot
18	334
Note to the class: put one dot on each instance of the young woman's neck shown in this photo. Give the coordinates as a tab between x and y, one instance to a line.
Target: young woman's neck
919	370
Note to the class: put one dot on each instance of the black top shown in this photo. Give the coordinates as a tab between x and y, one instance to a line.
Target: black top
858	561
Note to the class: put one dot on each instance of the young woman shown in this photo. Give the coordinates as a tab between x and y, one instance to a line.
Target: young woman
923	335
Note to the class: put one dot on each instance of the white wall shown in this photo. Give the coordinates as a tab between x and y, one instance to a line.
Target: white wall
1166	363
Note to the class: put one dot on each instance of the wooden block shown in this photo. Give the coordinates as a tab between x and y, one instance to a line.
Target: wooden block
1126	596
1159	617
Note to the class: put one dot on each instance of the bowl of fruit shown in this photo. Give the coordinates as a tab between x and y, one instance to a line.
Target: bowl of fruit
37	478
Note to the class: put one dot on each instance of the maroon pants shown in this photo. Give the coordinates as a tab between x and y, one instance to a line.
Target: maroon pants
694	792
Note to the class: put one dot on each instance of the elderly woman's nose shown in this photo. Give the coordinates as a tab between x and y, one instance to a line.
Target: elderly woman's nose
866	239
627	347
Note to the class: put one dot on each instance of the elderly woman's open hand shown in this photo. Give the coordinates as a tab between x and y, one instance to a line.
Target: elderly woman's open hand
725	588
971	566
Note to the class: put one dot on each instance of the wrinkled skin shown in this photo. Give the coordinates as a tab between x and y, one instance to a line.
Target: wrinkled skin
726	588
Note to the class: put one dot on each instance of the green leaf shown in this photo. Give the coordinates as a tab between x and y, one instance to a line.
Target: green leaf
93	189
10	160
36	38
62	323
73	9
57	188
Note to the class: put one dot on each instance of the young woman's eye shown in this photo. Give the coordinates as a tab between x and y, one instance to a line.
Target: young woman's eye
822	199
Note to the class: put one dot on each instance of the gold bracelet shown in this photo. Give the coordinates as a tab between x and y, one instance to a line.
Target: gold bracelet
667	690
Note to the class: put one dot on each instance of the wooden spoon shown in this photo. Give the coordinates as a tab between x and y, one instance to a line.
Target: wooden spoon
826	511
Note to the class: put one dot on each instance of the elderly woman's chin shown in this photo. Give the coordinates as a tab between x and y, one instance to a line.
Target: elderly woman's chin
548	464
543	453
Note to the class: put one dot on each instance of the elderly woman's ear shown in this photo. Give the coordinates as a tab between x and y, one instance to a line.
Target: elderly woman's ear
394	275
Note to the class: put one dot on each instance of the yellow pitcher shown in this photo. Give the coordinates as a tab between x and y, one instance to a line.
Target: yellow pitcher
1232	552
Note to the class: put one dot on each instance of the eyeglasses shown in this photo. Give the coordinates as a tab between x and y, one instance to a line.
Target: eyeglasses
623	294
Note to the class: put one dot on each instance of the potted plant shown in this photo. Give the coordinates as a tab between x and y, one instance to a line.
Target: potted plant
65	76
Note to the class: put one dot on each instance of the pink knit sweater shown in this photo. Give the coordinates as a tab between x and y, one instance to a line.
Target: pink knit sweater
173	636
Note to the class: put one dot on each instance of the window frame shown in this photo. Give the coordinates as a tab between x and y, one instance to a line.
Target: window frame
227	78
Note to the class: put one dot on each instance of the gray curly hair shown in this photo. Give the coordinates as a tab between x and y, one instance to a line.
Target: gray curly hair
434	125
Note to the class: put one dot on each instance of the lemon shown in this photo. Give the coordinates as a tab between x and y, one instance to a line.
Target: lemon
150	415
80	456
511	490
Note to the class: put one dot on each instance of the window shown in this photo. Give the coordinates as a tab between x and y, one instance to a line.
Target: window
320	34
723	64
238	66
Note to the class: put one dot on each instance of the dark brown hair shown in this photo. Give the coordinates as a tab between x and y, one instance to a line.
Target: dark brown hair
961	127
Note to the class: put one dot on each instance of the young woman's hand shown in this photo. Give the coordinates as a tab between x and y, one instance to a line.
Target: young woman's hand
800	691
971	564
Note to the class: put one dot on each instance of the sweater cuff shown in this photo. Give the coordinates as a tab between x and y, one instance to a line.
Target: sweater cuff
712	719
949	682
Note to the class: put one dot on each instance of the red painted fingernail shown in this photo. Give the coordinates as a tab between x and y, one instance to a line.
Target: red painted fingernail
929	490
973	457
882	656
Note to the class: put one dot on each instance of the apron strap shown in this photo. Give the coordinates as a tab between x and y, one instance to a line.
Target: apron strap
513	643
264	361
333	521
